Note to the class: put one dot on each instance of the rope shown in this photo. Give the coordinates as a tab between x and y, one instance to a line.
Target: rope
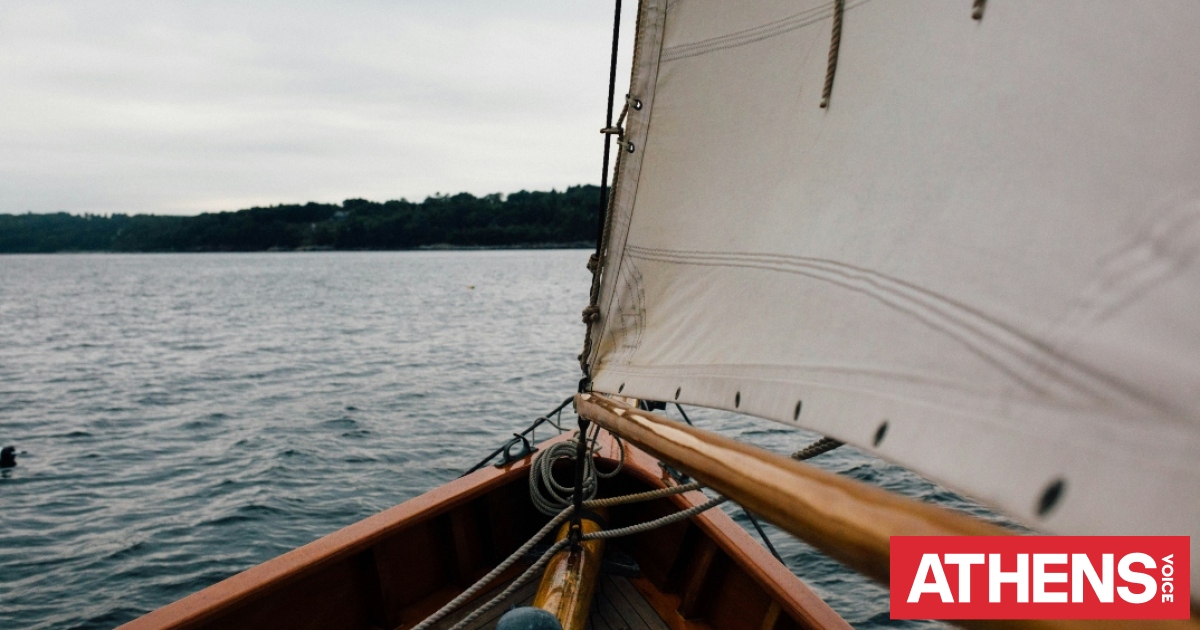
536	568
644	496
546	418
500	568
590	318
529	573
823	445
763	534
656	523
835	42
977	9
548	495
685	418
532	542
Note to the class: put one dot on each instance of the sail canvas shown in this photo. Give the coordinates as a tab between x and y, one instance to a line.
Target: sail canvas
978	260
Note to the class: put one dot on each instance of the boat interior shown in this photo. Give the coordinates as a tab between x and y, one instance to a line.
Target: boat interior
393	570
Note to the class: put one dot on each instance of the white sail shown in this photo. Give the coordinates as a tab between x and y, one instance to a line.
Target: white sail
979	261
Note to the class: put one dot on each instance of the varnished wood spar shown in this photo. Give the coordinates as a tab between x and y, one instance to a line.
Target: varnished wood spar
848	520
569	583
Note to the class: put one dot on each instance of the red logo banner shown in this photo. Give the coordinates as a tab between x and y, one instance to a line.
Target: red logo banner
1039	577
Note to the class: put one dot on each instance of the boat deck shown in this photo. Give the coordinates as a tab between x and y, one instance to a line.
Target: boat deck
617	606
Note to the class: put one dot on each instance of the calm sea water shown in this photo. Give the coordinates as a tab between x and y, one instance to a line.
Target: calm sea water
180	418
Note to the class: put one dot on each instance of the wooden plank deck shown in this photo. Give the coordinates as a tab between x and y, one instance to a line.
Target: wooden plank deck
618	606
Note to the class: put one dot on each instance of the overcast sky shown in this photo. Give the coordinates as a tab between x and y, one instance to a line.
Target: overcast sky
182	107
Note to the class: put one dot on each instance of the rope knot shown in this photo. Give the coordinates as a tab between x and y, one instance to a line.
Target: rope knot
593	263
591	314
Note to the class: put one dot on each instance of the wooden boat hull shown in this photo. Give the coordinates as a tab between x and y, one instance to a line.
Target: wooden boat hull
392	570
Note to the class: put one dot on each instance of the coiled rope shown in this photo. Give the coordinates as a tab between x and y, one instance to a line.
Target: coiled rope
548	495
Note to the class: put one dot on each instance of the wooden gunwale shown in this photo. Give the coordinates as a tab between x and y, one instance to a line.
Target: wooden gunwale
240	595
343	543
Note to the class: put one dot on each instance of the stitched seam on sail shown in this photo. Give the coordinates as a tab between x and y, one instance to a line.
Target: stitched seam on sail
813	268
755	34
796	20
954	319
984	407
1158	252
726	371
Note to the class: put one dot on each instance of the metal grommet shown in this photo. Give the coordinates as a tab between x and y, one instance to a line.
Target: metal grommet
637	103
629	147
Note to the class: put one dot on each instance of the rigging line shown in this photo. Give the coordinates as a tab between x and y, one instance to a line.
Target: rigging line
821	446
762	534
486	580
685	418
546	418
592	312
537	566
612	87
835	42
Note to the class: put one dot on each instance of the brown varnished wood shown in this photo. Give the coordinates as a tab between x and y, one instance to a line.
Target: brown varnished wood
392	570
737	603
847	519
569	582
666	605
770	617
699	572
279	573
797	600
468	552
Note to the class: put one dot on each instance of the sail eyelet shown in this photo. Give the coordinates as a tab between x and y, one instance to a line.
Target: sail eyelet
881	433
629	147
1050	497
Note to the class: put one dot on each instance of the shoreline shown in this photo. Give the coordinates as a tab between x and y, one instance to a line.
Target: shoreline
423	248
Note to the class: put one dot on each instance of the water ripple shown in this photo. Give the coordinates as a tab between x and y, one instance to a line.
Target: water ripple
181	417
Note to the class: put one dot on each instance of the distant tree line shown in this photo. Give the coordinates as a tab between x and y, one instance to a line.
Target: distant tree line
523	219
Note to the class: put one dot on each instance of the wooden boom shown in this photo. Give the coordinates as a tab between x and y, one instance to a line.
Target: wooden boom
847	519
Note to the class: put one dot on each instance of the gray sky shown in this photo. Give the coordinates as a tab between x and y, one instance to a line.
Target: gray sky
181	107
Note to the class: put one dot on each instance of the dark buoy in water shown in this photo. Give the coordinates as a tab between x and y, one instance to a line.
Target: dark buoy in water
8	457
527	618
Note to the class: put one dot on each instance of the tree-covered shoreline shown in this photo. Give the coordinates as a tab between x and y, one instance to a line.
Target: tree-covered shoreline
521	219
